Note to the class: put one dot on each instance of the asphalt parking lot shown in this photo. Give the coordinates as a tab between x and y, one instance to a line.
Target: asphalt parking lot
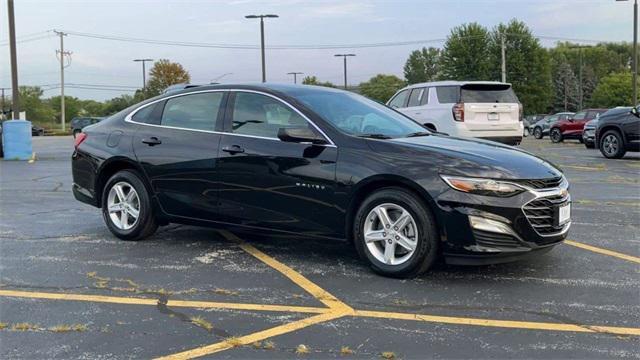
69	289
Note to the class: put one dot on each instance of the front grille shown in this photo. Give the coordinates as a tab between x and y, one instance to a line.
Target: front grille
541	213
542	183
490	239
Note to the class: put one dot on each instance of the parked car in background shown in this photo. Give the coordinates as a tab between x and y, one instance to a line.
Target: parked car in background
572	127
37	130
589	133
541	128
78	123
529	120
618	131
480	109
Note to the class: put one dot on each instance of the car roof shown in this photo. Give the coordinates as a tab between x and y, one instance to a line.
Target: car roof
455	83
272	88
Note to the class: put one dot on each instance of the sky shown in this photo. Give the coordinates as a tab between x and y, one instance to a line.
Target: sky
108	63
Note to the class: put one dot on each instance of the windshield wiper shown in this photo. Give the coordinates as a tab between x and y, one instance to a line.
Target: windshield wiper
419	133
375	136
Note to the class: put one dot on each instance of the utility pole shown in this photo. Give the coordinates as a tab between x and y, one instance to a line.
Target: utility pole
15	90
261	17
580	82
295	76
634	57
344	57
504	58
62	54
144	74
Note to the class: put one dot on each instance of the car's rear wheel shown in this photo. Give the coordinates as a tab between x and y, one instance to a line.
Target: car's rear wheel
556	135
537	133
126	207
396	233
612	145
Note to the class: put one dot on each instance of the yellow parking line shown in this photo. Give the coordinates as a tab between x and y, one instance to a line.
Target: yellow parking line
257	336
154	302
602	251
313	289
529	325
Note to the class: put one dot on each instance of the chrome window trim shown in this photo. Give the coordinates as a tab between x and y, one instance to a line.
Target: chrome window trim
129	116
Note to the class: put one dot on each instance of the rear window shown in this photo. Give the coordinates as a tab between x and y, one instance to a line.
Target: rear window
488	93
448	94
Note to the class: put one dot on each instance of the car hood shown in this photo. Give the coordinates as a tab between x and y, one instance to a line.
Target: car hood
479	158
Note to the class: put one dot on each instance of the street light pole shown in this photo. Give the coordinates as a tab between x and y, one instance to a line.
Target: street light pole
344	58
261	17
295	76
144	73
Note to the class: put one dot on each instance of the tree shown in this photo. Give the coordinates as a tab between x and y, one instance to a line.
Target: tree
163	74
565	86
465	55
528	67
312	80
35	108
117	104
613	90
422	65
381	87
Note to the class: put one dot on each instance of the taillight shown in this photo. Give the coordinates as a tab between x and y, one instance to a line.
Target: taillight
520	112
458	112
79	139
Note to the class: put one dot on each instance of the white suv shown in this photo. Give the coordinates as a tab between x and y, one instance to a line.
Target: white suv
481	109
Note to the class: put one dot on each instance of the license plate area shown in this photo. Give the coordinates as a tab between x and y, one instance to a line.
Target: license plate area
563	214
493	116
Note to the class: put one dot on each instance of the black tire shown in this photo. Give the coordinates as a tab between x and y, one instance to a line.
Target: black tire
612	145
146	223
537	133
426	249
589	145
555	135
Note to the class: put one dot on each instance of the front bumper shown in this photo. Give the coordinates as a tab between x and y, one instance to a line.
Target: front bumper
485	230
589	136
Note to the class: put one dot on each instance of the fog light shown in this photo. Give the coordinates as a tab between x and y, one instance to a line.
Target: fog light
484	224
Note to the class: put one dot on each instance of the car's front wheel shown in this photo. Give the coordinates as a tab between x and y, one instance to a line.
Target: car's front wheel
556	135
537	133
126	207
612	145
396	233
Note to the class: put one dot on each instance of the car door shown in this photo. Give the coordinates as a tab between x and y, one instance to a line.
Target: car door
177	145
576	123
269	183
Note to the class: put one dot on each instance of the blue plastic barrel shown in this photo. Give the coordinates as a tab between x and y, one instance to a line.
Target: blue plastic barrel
16	139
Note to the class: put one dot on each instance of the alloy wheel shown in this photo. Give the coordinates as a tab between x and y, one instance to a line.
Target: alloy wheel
390	234
123	205
610	144
537	133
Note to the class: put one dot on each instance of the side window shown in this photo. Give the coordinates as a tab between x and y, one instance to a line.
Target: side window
580	116
260	115
195	111
399	100
415	97
149	114
448	94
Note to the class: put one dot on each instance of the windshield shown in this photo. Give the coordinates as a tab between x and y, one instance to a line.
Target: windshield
359	116
482	93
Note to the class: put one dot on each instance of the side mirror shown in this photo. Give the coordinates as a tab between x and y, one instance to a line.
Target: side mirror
300	135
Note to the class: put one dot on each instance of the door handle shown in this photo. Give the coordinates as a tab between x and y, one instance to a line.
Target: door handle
233	149
152	141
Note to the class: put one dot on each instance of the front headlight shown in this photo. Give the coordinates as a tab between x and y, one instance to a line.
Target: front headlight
486	187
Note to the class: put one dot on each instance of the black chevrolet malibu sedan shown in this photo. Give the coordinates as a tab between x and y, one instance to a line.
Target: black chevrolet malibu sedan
322	163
